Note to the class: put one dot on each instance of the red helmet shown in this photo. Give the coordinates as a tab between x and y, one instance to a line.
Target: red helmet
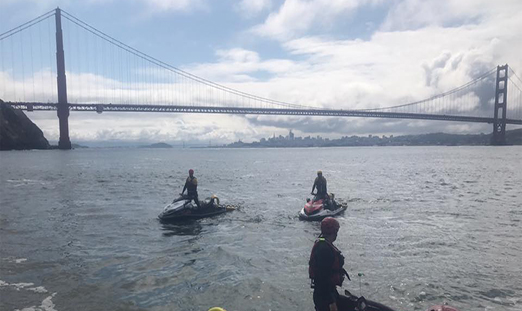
329	225
191	171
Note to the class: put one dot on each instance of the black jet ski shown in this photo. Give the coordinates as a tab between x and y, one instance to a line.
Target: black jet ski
317	209
184	208
350	302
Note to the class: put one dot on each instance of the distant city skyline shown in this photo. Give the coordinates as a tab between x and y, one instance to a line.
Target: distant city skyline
347	54
513	137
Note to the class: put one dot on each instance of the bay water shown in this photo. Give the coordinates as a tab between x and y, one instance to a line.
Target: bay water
424	226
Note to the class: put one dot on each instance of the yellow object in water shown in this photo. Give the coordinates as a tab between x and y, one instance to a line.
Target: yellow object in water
216	309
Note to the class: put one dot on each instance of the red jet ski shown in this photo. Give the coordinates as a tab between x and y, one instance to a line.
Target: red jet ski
317	209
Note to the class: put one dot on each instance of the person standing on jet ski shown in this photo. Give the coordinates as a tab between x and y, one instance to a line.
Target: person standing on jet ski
191	185
320	184
326	267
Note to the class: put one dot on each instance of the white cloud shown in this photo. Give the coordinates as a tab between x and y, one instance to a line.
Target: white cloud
249	8
238	55
240	65
414	14
175	5
295	17
136	127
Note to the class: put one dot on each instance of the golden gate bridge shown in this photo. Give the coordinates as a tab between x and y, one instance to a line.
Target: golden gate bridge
104	74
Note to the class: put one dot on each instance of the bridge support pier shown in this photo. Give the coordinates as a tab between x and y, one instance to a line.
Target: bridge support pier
63	105
499	123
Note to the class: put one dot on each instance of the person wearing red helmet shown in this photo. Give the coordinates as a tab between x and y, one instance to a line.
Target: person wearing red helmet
191	185
326	267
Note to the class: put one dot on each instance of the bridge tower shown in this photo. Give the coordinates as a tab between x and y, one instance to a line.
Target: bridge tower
499	122
63	105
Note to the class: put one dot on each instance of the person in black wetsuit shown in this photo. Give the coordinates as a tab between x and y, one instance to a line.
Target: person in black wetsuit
320	184
326	267
191	185
322	192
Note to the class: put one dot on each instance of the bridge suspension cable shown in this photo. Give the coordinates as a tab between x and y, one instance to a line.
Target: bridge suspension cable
27	67
455	90
26	25
173	69
514	95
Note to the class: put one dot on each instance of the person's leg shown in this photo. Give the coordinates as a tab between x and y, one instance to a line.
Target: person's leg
319	303
330	202
197	201
326	202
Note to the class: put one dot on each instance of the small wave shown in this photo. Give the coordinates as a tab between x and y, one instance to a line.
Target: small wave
442	182
39	289
24	182
15	260
256	219
46	303
501	297
493	293
379	200
19	286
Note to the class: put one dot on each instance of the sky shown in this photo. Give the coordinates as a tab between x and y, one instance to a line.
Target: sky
342	54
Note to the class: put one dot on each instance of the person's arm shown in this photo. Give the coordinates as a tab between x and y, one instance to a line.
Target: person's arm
184	188
313	187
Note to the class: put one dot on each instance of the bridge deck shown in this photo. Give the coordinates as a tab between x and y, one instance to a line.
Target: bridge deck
261	111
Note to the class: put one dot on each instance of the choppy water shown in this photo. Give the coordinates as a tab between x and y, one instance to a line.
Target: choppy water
428	225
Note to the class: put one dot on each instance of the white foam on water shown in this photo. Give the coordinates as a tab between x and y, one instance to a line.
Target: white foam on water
47	305
19	286
39	289
15	260
27	286
25	182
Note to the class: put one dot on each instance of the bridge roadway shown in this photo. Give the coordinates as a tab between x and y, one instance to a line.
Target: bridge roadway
262	111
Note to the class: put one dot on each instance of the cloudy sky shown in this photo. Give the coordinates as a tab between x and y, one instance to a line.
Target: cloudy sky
342	54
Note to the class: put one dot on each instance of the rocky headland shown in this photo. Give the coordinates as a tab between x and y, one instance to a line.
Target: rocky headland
18	132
